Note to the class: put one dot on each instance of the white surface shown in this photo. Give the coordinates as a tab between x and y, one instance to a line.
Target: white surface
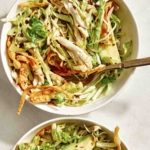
130	110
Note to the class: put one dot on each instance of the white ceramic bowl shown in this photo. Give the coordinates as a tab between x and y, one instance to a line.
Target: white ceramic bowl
129	27
30	134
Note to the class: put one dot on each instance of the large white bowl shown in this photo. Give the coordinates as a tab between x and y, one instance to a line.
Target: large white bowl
129	27
30	134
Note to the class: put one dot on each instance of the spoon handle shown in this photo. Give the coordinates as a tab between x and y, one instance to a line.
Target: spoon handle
136	63
130	64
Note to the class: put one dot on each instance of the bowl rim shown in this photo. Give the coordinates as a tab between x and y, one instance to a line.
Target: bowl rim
61	119
55	110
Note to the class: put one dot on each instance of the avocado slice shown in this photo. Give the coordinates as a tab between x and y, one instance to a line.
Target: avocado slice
85	143
110	53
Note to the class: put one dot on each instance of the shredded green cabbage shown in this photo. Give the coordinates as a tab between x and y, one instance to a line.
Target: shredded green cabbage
127	48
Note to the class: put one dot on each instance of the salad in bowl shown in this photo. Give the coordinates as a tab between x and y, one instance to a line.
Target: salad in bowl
56	49
70	134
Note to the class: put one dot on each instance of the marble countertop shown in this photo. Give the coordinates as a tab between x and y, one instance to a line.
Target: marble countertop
130	110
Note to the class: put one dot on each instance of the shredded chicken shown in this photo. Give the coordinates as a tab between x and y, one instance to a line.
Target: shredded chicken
81	57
